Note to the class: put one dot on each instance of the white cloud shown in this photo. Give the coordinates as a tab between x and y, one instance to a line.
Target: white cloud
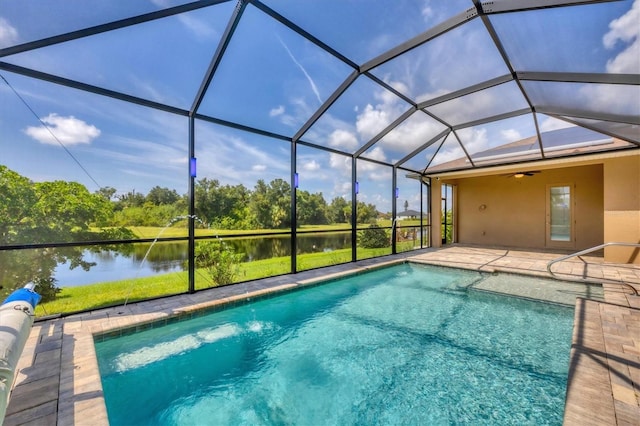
510	135
377	153
372	121
341	163
295	119
8	34
198	27
259	168
343	139
276	111
427	13
68	130
474	139
627	62
625	30
311	166
343	189
548	124
145	86
414	132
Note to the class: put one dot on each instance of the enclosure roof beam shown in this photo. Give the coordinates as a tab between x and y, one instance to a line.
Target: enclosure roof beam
492	118
575	77
572	112
90	88
420	39
327	104
102	28
242	127
300	31
502	6
386	130
466	91
424	146
217	56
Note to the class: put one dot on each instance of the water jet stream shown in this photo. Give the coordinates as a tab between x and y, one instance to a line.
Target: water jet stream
171	222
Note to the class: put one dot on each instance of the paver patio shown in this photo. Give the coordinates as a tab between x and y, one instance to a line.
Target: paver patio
58	382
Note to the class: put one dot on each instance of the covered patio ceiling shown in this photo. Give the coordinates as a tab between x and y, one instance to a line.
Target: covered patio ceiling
424	87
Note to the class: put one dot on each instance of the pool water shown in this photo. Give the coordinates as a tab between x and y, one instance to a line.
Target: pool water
408	344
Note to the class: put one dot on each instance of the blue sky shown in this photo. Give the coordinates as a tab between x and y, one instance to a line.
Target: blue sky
273	79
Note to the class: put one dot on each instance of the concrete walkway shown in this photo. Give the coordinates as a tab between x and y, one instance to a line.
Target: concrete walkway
59	383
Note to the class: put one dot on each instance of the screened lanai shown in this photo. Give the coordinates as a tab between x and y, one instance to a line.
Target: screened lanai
288	135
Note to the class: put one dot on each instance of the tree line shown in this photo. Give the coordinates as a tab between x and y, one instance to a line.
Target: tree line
61	211
224	206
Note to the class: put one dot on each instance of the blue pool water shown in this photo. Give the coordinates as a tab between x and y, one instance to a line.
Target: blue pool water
403	345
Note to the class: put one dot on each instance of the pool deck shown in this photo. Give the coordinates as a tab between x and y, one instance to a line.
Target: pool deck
58	382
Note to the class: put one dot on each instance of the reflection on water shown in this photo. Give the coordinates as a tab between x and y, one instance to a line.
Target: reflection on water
126	261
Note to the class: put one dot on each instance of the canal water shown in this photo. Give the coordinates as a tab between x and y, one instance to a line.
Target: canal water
164	257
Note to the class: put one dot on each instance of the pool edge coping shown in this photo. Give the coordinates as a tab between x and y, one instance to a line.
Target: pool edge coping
79	388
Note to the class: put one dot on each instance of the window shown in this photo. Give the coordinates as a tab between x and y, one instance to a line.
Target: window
559	215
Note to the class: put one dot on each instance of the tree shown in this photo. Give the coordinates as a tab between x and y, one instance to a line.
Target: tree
270	204
224	206
130	199
366	213
107	192
161	196
18	196
406	205
311	208
42	213
64	209
339	211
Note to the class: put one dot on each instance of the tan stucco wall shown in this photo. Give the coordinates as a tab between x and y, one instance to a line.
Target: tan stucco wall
515	209
622	207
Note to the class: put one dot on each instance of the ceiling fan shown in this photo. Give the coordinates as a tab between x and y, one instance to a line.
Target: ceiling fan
522	174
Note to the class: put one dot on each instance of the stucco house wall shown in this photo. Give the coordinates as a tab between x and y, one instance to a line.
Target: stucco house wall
507	211
622	207
499	210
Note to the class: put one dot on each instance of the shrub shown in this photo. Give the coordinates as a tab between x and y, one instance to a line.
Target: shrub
219	260
374	237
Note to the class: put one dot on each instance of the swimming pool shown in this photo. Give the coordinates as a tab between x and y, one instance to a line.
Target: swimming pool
408	344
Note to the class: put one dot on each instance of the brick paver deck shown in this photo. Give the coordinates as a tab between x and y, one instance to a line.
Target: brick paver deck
59	383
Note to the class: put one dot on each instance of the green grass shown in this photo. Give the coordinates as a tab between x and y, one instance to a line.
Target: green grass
181	231
175	231
94	296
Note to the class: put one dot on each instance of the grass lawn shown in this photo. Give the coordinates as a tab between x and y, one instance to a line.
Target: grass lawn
94	296
175	231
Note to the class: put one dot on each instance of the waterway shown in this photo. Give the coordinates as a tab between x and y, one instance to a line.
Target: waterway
164	257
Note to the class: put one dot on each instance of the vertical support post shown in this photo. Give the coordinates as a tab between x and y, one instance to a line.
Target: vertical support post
191	255
354	206
422	186
294	216
394	209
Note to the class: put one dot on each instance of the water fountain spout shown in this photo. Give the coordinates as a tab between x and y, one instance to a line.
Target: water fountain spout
155	240
393	228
